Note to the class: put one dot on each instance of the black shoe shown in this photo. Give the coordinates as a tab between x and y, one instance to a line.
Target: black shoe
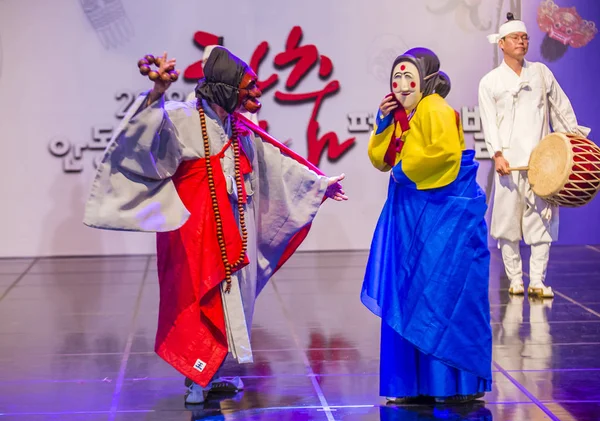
459	399
411	400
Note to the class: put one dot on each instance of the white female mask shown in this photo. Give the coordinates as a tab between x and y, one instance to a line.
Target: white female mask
406	85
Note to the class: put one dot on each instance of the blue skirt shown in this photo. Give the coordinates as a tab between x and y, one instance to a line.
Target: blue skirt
407	372
427	278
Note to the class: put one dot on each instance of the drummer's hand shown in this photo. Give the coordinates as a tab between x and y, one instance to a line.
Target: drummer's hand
502	165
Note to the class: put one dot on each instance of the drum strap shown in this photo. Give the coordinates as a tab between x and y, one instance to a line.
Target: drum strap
547	211
546	108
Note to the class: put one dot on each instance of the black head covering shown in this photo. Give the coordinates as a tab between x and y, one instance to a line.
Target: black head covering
432	79
223	73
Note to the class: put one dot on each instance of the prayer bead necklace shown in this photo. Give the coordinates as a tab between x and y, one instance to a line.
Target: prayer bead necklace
213	196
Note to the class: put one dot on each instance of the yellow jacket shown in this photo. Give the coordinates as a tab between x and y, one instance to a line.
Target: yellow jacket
432	148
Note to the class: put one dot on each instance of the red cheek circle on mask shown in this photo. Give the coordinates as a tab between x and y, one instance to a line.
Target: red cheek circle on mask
394	85
413	84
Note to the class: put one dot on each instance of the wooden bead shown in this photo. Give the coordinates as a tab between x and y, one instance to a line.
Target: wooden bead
149	58
143	62
153	75
174	76
165	77
144	69
213	195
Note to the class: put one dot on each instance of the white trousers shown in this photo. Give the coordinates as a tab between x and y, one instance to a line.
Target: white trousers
519	214
513	265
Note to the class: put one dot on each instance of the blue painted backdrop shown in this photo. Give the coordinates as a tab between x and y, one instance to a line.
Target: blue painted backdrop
578	72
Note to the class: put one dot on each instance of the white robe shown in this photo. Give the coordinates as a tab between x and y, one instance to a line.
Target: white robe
515	117
133	191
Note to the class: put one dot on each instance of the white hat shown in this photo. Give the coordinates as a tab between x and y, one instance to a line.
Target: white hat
507	28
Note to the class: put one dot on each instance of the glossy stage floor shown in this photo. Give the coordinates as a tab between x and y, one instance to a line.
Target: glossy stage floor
77	335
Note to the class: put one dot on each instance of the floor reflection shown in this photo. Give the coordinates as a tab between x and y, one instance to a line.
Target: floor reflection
472	412
76	343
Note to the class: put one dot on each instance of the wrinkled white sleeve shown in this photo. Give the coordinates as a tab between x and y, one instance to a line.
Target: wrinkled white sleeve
132	189
147	141
562	115
487	110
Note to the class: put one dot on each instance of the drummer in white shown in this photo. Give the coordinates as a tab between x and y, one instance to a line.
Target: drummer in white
516	99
